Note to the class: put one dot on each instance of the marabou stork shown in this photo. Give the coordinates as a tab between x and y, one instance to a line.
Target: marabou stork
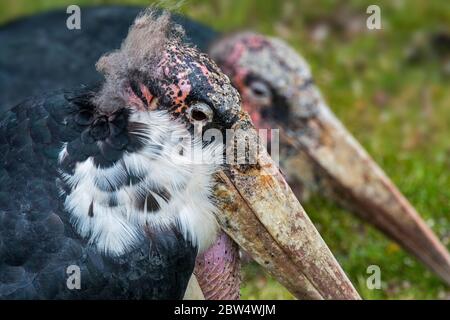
317	152
112	179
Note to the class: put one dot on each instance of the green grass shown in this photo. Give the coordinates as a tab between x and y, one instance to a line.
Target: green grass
397	107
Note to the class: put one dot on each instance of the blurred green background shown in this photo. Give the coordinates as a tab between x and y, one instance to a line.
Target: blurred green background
390	87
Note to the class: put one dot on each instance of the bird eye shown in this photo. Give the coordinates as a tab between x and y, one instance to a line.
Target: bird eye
260	89
200	112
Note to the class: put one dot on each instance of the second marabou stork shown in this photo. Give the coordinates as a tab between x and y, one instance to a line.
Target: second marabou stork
113	180
317	153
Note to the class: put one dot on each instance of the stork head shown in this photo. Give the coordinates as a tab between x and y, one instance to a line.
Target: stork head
317	152
139	168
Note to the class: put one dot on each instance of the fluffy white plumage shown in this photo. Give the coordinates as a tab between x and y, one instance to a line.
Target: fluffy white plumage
169	158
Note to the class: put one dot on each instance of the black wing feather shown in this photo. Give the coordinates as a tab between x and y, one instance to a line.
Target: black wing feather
37	241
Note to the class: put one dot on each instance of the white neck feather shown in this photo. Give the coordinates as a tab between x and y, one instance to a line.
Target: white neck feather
116	228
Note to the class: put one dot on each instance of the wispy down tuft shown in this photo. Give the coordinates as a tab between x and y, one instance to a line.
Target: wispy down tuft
140	52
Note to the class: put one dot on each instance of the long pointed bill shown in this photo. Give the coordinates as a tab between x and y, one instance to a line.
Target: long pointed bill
345	171
260	212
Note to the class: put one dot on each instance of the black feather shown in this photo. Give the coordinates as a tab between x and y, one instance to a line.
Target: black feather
37	240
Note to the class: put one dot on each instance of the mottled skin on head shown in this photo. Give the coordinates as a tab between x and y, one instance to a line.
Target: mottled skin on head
278	91
167	69
189	77
267	73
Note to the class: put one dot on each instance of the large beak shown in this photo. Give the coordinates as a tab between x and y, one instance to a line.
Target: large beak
261	213
322	152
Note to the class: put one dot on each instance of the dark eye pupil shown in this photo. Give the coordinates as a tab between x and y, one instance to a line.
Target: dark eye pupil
258	92
260	89
198	115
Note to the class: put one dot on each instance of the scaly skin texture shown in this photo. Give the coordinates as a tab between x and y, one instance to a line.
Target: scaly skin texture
218	270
